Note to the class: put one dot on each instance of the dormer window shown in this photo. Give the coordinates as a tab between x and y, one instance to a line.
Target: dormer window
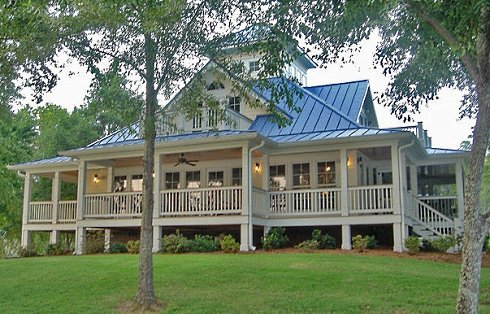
216	85
254	66
234	103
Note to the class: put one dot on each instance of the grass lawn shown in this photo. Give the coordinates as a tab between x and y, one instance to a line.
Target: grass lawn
210	283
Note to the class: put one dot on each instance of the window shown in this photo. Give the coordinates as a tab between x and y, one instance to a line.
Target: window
216	85
253	66
326	173
301	175
236	176
137	182
215	178
212	118
197	120
277	177
234	103
172	180
120	183
193	179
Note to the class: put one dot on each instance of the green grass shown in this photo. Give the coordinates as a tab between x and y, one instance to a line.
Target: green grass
210	283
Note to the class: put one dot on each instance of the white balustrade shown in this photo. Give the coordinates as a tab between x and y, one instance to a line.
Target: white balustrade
432	219
371	199
447	205
67	211
301	202
40	211
120	204
207	201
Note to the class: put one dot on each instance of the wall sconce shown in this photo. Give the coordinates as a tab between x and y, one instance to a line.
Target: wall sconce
257	167
349	162
96	179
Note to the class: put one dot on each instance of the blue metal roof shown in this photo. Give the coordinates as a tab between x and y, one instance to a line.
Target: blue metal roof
444	151
310	113
45	162
333	134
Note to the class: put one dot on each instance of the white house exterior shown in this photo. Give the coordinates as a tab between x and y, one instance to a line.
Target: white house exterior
332	166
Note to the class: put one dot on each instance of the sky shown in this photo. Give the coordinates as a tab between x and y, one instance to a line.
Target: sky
440	117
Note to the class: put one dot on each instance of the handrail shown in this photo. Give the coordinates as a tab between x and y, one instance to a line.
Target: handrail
431	218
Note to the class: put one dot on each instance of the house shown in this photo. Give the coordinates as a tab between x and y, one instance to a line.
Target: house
331	167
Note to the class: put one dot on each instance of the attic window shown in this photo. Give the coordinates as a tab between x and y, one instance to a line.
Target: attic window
234	103
216	85
254	66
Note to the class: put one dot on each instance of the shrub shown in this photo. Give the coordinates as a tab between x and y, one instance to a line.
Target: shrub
118	248
426	246
324	241
308	245
442	244
412	243
55	249
229	245
486	243
9	247
27	252
204	243
95	243
276	238
175	243
361	243
133	246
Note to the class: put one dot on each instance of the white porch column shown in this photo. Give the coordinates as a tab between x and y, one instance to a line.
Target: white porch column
55	195
397	189
246	207
266	230
413	180
244	237
344	185
82	181
110	179
80	237
54	236
346	237
157	237
397	237
460	189
156	187
265	172
107	240
26	235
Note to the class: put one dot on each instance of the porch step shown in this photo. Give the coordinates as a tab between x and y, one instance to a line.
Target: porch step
423	232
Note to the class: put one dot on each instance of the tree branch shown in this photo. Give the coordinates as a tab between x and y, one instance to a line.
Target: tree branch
468	61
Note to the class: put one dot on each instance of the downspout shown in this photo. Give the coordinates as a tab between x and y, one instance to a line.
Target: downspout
250	227
400	183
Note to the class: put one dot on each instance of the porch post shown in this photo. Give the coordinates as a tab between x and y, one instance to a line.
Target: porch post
157	238
413	180
107	240
110	179
246	208
26	235
346	237
157	204
397	237
80	237
55	195
54	237
460	189
344	184
397	189
265	172
82	175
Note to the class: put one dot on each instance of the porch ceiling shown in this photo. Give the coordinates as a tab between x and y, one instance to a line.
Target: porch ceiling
377	153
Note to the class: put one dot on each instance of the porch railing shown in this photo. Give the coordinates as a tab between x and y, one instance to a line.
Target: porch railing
207	201
41	211
371	199
67	211
300	202
121	204
431	218
447	205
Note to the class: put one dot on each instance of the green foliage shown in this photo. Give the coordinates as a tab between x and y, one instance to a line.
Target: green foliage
275	238
324	241
55	249
95	242
133	246
28	251
308	245
175	243
118	248
442	244
412	243
9	247
204	243
486	243
229	245
362	243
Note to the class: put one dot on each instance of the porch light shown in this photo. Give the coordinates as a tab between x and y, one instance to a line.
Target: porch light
257	167
96	179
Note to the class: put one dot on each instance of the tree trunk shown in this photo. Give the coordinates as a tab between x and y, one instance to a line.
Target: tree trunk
145	295
474	222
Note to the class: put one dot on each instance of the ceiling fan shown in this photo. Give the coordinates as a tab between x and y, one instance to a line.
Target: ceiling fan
183	160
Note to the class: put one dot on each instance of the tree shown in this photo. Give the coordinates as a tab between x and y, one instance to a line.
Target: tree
424	46
158	42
